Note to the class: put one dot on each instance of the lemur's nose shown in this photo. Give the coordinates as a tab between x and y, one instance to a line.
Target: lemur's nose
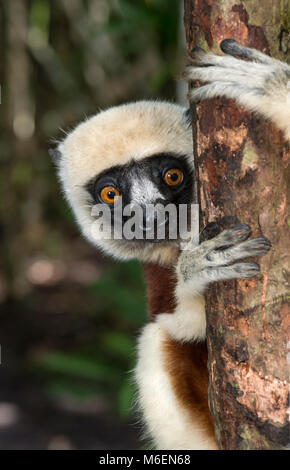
153	219
149	217
149	220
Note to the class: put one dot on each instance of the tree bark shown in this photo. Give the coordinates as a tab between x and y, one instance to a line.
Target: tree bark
241	167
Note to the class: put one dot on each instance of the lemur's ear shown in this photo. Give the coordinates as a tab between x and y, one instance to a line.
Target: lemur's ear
187	116
55	155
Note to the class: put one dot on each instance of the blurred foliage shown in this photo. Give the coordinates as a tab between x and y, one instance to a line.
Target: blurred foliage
68	317
100	363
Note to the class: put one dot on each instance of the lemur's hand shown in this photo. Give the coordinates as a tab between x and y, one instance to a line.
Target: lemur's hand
260	83
212	260
247	82
212	229
200	265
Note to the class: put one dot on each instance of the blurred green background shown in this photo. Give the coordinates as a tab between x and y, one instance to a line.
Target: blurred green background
69	317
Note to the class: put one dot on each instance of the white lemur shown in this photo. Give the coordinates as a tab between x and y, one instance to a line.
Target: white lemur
143	151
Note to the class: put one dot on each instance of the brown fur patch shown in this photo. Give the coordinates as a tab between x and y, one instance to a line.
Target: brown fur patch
186	364
160	285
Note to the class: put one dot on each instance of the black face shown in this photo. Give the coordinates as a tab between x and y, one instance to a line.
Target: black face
162	178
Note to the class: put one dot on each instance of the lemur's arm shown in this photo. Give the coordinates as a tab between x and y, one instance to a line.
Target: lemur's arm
171	371
260	84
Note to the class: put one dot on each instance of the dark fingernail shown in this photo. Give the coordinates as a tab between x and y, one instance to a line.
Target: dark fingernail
241	227
227	45
264	240
196	49
254	265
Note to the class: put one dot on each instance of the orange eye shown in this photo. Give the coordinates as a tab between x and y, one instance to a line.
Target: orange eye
173	177
109	194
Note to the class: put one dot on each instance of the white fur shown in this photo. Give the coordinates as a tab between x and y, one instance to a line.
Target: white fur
144	191
115	137
188	323
120	134
262	86
169	423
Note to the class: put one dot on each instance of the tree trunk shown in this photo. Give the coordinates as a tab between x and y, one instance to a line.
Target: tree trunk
241	165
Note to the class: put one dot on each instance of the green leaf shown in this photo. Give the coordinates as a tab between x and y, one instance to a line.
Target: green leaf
40	15
78	366
126	398
59	388
120	344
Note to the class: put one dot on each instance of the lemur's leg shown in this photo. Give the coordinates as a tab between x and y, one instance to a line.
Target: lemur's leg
172	421
260	84
172	382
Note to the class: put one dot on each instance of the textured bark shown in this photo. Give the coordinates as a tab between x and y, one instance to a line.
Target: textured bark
241	165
